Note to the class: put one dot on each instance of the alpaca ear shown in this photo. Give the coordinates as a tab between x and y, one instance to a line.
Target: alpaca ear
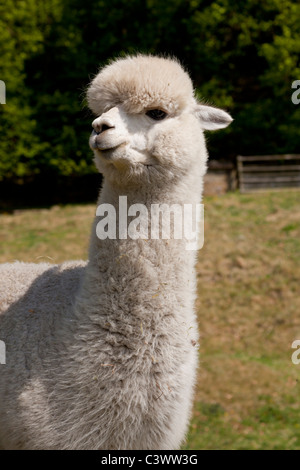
212	118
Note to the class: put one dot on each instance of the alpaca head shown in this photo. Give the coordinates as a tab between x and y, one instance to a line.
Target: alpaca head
149	125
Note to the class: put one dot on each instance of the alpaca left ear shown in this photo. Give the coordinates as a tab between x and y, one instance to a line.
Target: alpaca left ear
212	118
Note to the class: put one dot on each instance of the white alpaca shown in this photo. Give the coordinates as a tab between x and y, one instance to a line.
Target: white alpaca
103	355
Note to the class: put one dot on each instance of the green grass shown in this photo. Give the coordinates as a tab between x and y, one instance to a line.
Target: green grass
248	307
56	234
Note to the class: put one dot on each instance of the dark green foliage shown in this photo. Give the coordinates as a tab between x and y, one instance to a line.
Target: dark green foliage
242	55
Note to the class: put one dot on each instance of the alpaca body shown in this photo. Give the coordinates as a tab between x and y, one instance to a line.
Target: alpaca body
103	355
126	325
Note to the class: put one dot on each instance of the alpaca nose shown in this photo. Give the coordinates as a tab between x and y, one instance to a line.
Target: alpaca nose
102	124
107	120
102	127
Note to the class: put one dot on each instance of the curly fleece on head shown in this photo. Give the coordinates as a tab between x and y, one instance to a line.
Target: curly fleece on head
141	82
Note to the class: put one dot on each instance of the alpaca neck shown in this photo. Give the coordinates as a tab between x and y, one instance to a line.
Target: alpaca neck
135	271
137	203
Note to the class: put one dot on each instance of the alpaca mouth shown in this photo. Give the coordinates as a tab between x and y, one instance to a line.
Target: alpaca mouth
105	142
106	149
110	154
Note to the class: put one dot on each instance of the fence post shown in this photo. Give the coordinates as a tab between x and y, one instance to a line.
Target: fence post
2	353
2	92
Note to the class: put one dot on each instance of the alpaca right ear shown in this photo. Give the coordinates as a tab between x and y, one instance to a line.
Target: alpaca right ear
212	118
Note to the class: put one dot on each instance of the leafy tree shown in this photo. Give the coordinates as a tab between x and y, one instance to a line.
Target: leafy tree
242	55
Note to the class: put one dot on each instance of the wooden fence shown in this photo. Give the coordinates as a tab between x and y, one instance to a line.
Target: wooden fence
258	173
220	177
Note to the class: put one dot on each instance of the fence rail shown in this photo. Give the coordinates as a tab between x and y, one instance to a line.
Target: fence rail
261	172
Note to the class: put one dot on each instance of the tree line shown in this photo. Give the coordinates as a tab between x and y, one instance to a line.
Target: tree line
243	55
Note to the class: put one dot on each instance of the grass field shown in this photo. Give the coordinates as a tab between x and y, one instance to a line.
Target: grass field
248	390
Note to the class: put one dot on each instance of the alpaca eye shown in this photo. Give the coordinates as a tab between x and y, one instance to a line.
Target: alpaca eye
156	114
